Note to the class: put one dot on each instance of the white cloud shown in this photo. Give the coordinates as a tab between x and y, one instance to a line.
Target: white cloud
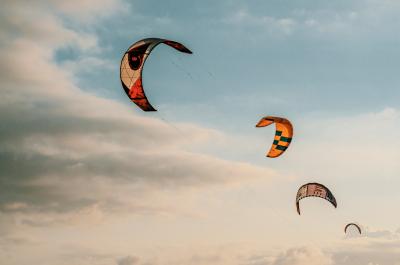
271	24
341	140
69	158
303	256
90	10
357	19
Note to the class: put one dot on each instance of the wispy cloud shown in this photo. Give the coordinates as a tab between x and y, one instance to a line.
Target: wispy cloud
67	155
242	18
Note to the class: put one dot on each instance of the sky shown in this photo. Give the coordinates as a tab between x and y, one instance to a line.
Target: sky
88	178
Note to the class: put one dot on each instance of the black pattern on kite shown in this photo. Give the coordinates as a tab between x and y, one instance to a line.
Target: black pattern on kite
132	67
314	190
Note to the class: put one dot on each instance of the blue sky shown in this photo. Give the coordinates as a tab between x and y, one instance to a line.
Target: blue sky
293	58
88	178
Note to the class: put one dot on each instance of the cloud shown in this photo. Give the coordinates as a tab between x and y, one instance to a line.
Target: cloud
354	136
373	251
128	260
271	24
47	31
71	159
380	250
381	234
303	256
352	20
90	10
65	150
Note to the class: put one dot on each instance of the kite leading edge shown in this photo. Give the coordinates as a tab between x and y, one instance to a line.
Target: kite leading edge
132	67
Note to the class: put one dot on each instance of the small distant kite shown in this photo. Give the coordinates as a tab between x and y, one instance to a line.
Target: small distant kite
132	66
314	190
352	224
283	134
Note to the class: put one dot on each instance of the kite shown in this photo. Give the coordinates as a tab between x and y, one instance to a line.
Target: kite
352	224
283	134
132	67
314	190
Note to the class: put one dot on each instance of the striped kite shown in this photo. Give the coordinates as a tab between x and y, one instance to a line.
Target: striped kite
314	190
283	134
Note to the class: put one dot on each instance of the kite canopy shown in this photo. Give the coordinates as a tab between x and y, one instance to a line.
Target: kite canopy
283	134
352	224
132	67
314	190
